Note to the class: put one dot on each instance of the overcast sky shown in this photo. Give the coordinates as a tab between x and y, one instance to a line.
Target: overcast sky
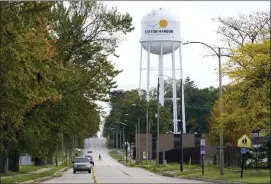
196	25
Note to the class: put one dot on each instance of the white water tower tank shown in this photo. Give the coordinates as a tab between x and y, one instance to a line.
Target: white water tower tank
160	27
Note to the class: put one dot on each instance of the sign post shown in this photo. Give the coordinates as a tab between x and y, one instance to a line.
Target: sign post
244	142
202	152
243	152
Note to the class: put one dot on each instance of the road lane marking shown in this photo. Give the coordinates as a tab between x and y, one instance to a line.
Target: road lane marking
124	172
94	177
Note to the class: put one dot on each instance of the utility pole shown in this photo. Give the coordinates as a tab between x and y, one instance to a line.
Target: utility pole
150	159
126	147
117	141
136	143
220	112
62	145
120	145
157	141
123	143
147	135
181	136
139	158
221	150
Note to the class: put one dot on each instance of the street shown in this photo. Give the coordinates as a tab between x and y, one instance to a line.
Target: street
109	170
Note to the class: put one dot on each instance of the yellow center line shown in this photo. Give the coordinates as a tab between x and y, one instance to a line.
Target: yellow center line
94	177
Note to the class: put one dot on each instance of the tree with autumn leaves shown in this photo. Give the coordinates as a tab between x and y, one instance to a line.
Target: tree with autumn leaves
246	100
54	67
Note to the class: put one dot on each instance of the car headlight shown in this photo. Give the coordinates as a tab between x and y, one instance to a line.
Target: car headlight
75	165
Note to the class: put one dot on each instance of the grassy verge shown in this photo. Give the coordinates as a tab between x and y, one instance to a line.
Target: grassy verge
26	169
194	171
32	176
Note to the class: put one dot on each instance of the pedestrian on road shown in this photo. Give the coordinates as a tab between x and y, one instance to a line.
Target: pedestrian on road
100	157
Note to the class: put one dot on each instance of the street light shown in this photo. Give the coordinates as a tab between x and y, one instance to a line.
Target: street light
218	54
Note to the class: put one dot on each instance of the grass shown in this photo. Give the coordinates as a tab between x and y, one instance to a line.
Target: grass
195	172
32	176
26	169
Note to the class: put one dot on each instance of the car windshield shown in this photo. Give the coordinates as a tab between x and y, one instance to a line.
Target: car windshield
81	160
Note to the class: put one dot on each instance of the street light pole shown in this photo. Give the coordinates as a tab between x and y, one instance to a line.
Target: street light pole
220	112
122	144
147	135
136	142
181	136
138	130
117	141
218	54
158	108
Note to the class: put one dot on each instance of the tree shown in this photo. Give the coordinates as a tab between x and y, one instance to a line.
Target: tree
88	74
26	54
247	100
128	107
239	31
54	57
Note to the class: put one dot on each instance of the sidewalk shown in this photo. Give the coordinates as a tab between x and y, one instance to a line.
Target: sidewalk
32	172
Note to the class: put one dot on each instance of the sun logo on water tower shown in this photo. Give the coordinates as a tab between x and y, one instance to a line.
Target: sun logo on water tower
163	23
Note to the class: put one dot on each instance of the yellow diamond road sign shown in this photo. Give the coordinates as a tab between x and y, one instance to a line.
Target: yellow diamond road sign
244	142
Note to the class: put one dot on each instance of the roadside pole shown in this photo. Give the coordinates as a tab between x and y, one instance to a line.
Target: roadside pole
202	152
243	152
117	139
62	145
157	141
244	142
126	147
56	160
138	130
123	143
136	143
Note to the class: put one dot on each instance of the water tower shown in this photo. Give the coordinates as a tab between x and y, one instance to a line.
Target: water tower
160	35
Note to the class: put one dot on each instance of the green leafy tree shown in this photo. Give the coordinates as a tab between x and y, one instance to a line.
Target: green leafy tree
128	107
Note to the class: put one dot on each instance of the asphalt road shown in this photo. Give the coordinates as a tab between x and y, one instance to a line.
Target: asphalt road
110	171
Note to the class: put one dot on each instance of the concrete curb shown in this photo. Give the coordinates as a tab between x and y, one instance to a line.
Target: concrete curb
192	178
212	180
200	179
38	180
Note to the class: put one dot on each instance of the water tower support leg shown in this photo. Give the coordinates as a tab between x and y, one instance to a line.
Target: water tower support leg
148	72
161	77
140	68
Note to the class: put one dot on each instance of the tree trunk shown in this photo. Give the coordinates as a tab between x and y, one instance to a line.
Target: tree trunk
4	159
39	162
13	161
4	163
